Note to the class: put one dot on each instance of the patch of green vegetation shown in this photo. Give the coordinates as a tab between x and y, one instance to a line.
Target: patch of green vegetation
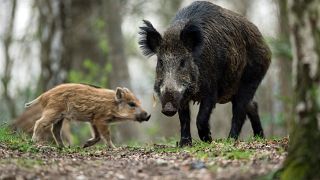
257	139
218	148
238	154
15	140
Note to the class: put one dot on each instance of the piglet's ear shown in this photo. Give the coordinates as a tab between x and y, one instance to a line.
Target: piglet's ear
191	36
119	94
150	39
126	90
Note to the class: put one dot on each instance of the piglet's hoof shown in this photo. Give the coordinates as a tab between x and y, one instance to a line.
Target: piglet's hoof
85	145
88	144
185	142
112	147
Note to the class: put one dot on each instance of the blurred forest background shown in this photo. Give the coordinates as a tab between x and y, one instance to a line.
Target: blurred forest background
47	42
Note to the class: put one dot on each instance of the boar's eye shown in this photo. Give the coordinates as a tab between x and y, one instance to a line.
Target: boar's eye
182	63
160	63
132	104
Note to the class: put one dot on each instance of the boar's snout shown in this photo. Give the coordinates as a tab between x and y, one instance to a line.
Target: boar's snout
144	116
168	109
170	102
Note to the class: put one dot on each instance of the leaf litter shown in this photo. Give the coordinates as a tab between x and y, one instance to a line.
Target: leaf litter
218	160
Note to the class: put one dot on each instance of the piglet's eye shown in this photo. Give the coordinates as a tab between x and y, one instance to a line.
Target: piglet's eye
132	104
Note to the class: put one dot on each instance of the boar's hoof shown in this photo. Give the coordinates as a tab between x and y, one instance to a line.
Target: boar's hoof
169	110
207	139
259	135
185	142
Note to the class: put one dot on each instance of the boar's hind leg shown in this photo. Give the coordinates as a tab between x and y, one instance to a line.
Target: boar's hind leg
206	106
252	112
184	116
56	132
95	139
240	103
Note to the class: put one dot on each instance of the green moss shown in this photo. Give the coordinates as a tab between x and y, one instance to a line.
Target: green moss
16	140
295	170
303	157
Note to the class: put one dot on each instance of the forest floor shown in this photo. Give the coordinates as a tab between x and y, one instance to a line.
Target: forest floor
222	159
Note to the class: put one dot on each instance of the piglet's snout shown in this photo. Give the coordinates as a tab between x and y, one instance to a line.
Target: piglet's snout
144	116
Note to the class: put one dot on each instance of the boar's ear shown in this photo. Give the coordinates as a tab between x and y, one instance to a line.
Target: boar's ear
150	39
119	94
191	37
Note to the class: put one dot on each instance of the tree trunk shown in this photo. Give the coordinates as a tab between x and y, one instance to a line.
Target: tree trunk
304	157
119	75
8	61
284	62
51	30
84	37
68	34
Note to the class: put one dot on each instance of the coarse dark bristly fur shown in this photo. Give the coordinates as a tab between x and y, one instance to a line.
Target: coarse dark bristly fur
210	55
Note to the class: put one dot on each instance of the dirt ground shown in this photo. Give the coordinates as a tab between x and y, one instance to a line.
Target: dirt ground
145	162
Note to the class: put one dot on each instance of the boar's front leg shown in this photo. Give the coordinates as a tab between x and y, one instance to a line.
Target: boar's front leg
206	106
184	116
95	139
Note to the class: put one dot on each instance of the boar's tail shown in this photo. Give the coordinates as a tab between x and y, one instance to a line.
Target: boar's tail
35	101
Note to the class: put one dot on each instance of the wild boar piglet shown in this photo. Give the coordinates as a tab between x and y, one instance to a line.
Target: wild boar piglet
81	102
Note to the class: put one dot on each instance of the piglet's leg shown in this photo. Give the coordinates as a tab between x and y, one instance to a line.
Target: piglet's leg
44	123
104	130
95	139
56	132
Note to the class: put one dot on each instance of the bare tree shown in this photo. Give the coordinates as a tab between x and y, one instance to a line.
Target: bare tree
84	36
69	33
303	157
51	31
8	60
283	60
119	75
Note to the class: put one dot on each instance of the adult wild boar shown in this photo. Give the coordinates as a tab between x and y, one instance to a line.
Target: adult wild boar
208	55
